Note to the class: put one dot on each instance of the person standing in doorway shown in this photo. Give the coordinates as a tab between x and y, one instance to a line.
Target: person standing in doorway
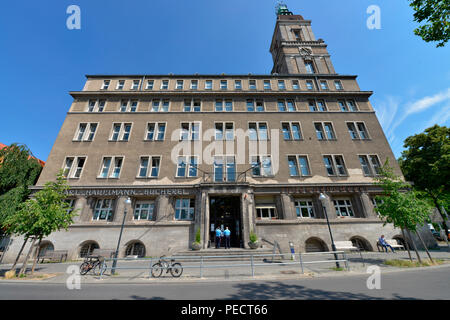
227	234
218	235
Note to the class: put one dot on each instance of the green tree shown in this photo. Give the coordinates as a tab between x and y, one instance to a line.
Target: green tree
400	205
436	14
47	212
426	162
18	170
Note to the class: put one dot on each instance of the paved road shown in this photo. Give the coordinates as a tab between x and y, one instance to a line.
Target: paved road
430	283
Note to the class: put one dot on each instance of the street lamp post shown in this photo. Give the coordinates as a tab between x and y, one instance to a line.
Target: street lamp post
322	199
113	269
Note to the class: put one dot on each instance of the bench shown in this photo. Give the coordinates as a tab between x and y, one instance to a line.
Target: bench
347	246
107	253
392	242
54	255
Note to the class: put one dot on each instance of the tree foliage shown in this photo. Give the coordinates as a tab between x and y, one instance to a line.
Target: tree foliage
18	170
399	204
426	162
47	212
436	14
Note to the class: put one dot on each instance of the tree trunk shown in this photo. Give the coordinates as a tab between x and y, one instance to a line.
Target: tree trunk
414	246
426	249
24	265
406	244
20	252
36	255
444	218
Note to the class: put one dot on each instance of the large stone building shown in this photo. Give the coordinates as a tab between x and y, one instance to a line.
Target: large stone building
276	142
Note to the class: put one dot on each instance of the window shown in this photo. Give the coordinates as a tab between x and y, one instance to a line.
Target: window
150	84
324	131
347	105
187	166
184	209
121	132
318	105
84	134
224	168
298	166
297	35
179	85
309	85
192	105
252	84
309	67
96	105
223	84
71	203
128	106
371	167
149	166
220	105
291	131
335	165
258	131
357	130
304	208
208	84
224	131
104	209
135	85
106	84
281	85
266	212
343	208
194	84
155	131
120	84
338	85
190	131
262	166
267	85
164	84
238	84
295	85
143	210
282	105
251	105
324	85
71	171
160	105
111	167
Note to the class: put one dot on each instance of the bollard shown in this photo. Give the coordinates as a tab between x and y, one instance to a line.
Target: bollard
301	262
201	266
151	267
253	269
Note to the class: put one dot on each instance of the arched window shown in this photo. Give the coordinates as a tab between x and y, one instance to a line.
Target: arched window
315	245
87	248
135	248
45	247
361	243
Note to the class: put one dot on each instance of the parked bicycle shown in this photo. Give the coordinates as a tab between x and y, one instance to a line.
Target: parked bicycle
95	263
173	267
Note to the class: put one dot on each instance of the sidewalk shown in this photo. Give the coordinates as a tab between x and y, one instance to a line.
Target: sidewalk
240	271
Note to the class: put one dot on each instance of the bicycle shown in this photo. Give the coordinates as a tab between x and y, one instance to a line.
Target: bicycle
173	267
95	263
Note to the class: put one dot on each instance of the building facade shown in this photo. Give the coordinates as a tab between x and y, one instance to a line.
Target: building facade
251	152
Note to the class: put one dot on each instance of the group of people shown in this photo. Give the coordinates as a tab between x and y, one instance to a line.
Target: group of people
223	235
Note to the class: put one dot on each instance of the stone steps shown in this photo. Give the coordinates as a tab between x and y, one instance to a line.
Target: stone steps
226	254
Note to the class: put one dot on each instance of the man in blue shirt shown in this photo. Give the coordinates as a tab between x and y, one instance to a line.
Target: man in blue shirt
227	234
383	242
218	234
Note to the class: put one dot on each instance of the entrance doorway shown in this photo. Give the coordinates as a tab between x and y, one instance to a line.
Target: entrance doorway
225	211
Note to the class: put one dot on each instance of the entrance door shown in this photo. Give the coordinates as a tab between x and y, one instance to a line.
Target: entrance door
225	212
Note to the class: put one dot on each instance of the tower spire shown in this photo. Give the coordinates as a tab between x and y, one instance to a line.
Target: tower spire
281	9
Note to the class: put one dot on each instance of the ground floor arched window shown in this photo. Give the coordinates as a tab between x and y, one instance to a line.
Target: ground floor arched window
135	249
87	248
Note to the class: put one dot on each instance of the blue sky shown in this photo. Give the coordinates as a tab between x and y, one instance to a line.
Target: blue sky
41	60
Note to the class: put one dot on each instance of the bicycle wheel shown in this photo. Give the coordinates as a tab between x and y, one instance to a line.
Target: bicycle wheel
99	267
84	268
176	270
157	270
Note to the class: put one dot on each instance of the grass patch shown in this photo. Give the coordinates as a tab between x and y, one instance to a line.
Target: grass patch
412	264
337	269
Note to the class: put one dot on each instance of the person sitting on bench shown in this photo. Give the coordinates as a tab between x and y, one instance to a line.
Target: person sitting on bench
385	244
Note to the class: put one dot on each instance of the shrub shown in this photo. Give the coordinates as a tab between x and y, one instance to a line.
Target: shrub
253	237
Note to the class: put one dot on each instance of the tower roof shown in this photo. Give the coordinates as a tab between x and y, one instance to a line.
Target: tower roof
283	13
